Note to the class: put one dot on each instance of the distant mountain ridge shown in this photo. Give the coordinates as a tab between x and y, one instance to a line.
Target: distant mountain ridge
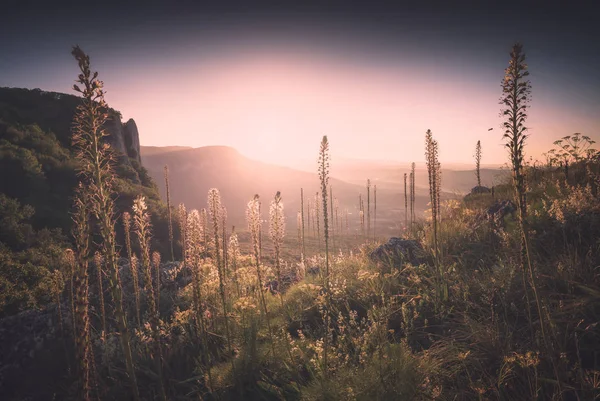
193	171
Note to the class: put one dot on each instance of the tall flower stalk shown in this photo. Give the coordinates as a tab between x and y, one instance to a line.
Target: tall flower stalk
204	223
405	204
361	215
433	171
412	195
516	95
324	178
478	162
299	229
277	233
94	156
308	216
253	218
216	213
79	262
133	265
233	250
98	264
182	220
169	211
368	208
224	244
143	229
195	234
302	221
374	211
347	224
156	265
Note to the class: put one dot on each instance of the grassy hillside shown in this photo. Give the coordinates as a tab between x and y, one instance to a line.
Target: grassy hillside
397	332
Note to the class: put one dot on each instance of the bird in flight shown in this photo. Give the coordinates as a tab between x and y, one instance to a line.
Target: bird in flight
490	129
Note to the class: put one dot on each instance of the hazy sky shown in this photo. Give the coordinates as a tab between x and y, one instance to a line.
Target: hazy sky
270	80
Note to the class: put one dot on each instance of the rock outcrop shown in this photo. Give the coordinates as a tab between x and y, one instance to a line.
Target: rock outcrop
124	138
132	140
398	251
54	112
480	190
499	210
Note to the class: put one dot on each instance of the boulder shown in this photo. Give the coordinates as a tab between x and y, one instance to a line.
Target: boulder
499	210
480	190
398	251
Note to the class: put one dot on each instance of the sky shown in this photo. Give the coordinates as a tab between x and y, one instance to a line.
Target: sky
271	78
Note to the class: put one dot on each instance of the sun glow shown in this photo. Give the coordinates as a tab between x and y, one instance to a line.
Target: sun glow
274	106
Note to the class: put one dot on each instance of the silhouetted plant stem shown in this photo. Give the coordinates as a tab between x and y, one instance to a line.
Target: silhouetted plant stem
374	211
254	219
302	215
95	157
156	264
142	229
169	212
234	251
516	92
368	208
478	162
405	204
412	196
216	210
132	265
277	233
324	178
195	233
79	262
434	173
98	263
182	219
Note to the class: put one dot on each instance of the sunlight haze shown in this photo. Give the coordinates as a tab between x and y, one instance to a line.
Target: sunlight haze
272	90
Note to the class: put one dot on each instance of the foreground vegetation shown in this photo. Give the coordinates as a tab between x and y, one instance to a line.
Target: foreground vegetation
492	304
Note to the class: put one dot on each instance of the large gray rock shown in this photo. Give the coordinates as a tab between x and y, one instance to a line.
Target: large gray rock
124	138
398	251
132	140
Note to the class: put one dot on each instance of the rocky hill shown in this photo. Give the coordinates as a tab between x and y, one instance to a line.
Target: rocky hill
37	178
35	151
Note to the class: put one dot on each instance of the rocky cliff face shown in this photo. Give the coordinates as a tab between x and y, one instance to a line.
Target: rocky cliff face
124	137
53	112
132	140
